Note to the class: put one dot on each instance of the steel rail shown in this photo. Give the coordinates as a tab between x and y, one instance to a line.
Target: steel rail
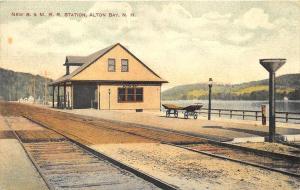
147	177
48	184
209	141
202	136
232	146
290	144
242	162
245	149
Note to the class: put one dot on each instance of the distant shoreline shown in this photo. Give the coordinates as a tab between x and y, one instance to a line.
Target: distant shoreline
231	100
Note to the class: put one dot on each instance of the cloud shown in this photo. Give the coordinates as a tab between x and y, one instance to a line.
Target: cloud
168	38
255	18
238	37
216	16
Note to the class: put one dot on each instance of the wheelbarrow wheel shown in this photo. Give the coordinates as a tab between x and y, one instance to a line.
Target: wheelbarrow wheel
186	115
176	114
167	113
195	115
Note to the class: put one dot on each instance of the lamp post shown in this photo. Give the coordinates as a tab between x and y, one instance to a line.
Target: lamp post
272	65
109	99
210	81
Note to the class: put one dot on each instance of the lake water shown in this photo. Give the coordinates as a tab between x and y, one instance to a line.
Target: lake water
285	106
289	106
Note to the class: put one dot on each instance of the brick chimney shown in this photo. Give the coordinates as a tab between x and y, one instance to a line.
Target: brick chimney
67	69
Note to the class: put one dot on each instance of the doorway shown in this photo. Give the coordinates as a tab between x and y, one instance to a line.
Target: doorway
85	96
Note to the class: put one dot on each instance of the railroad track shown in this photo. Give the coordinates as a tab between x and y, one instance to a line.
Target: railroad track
67	164
286	164
282	163
279	164
291	144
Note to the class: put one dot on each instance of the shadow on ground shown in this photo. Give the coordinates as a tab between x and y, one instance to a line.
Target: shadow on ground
281	131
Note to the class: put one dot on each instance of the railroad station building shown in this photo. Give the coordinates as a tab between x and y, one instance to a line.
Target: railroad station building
109	79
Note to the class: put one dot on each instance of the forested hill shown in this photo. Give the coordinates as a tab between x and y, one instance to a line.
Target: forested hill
287	86
16	85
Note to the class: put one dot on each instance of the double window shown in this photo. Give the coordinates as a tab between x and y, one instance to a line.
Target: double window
130	94
111	65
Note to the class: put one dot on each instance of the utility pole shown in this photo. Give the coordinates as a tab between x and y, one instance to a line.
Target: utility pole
45	89
28	88
10	92
16	88
210	81
33	88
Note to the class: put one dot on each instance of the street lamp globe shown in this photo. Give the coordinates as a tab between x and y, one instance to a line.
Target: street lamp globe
210	82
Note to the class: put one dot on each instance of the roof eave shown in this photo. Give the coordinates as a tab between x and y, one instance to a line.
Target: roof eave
58	82
54	83
72	64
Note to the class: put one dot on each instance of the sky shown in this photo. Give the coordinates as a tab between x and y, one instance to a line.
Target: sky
184	42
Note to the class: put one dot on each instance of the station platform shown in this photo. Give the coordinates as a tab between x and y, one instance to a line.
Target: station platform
220	129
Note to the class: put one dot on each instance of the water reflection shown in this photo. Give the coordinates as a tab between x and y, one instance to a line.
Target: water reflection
282	105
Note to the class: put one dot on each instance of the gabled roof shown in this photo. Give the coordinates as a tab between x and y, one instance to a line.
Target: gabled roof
88	60
75	60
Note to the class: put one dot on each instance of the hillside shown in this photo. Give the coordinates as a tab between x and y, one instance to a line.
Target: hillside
16	85
287	86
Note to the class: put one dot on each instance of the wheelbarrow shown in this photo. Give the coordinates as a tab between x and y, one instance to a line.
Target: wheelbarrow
190	110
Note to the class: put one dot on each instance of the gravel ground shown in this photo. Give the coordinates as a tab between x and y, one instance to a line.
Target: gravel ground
38	136
21	123
3	125
7	135
217	128
180	167
190	170
67	166
273	147
16	170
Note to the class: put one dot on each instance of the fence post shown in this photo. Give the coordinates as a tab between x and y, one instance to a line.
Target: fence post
243	115
219	113
286	117
230	114
256	115
263	115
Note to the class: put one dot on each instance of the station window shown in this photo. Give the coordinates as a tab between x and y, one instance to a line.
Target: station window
139	94
121	95
130	95
111	65
124	65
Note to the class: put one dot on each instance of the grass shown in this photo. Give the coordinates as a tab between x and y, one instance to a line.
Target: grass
197	93
249	90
